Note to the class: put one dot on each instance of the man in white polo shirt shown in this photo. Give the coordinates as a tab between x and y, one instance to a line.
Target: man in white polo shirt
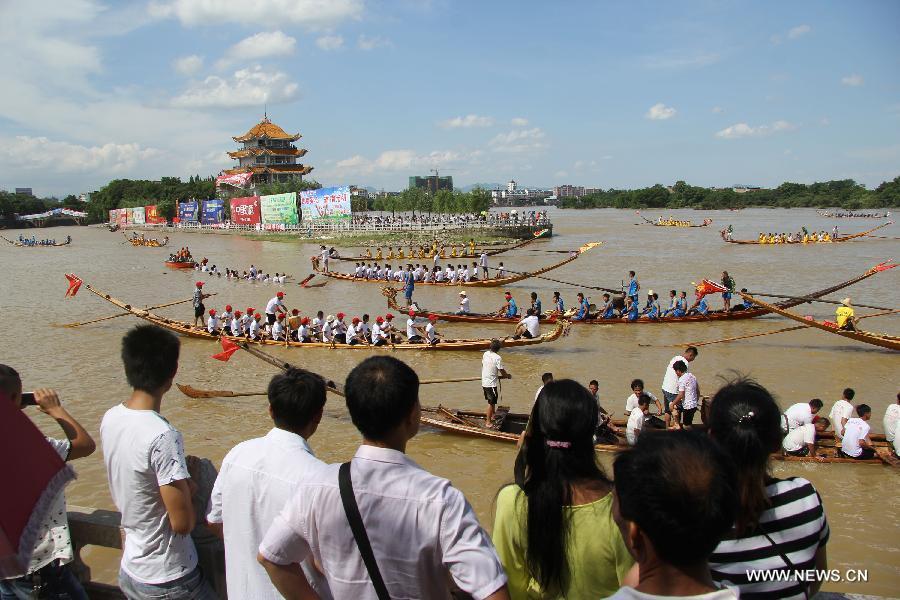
841	412
670	381
492	372
856	443
259	476
416	527
529	327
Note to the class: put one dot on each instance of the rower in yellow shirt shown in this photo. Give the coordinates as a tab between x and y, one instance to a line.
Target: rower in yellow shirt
845	316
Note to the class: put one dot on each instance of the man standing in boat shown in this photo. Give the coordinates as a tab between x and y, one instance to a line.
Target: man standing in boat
728	284
275	304
199	309
492	372
483	261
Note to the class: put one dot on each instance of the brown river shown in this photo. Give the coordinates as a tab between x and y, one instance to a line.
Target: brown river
83	363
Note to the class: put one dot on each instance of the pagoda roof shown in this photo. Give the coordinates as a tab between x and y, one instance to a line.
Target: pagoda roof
256	151
266	129
295	169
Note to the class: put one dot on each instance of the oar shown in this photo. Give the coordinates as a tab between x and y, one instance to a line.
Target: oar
808	299
577	285
745	337
330	385
128	313
192	392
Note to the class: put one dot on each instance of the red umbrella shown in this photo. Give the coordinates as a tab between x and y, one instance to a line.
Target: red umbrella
34	473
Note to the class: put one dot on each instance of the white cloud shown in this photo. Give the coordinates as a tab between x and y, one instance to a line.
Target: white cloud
365	42
798	31
330	42
309	13
400	161
519	122
264	44
42	154
660	112
668	61
718	110
518	141
253	86
188	65
467	122
853	80
742	130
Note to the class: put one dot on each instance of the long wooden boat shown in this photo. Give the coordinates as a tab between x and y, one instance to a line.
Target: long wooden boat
510	425
138	241
843	238
173	264
716	316
188	330
852	215
891	342
21	245
490	252
494	282
672	222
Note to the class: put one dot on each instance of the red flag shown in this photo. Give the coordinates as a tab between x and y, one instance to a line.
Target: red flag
709	287
884	266
228	348
74	284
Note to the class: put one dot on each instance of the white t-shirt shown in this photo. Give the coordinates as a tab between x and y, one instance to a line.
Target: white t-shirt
629	593
277	330
270	306
532	324
376	333
256	480
687	383
429	332
635	422
212	324
351	333
855	430
798	438
142	452
841	410
464	304
891	418
54	541
798	414
670	381
236	327
411	327
253	330
491	364
632	401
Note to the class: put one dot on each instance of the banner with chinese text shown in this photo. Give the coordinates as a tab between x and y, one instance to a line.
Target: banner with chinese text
187	211
279	208
245	211
331	204
213	212
138	215
152	216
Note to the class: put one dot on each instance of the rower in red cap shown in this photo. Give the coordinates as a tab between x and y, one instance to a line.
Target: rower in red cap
431	335
353	334
303	333
339	329
225	318
199	309
276	304
212	324
415	332
389	330
379	334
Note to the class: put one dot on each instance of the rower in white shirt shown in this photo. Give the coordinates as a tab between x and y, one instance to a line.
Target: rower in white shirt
841	412
253	330
463	303
501	271
636	419
802	440
529	327
226	317
856	443
237	327
389	329
328	330
891	419
431	334
304	333
414	332
339	329
379	338
316	327
352	335
278	328
637	388
363	330
212	324
802	413
465	275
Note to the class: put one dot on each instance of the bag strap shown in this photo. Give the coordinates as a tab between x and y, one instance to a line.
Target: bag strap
351	509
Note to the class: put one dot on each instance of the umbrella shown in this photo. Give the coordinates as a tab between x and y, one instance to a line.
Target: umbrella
34	473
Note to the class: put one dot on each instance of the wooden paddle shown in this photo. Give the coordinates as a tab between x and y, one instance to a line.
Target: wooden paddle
192	392
128	313
577	285
808	299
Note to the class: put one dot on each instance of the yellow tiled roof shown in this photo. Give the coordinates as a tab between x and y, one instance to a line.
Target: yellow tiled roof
267	129
272	151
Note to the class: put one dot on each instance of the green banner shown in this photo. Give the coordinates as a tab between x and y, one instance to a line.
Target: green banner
279	209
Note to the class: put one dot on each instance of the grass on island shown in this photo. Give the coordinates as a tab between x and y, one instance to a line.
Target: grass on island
364	239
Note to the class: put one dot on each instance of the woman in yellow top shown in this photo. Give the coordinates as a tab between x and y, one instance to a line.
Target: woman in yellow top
390	254
845	316
554	528
378	255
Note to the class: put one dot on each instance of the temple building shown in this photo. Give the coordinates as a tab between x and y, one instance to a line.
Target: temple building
268	155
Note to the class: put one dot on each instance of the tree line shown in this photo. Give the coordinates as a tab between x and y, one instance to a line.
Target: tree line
444	201
844	193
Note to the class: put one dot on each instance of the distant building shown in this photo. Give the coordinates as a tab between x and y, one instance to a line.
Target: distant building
511	186
743	189
431	183
568	191
513	195
359	192
268	156
24	192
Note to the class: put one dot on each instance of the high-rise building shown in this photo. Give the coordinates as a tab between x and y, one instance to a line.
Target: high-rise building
431	183
568	191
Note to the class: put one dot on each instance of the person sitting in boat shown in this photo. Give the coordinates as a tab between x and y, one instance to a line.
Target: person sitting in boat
212	324
253	332
856	442
700	307
801	441
632	312
432	337
652	311
463	304
583	310
501	271
845	316
277	331
353	336
744	305
636	419
415	330
236	327
607	309
559	306
509	309
529	327
761	238
673	304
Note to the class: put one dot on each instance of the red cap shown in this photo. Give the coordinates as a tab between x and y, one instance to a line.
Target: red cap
304	321
280	316
228	308
250	310
432	317
280	294
212	312
341	315
199	284
237	313
412	313
257	316
356	319
379	320
295	311
389	316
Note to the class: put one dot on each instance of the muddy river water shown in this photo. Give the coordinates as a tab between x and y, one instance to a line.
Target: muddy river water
83	364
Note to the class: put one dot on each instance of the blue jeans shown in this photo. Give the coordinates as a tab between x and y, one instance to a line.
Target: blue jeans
52	581
190	587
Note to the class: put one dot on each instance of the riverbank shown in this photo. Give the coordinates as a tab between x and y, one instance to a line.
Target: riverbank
372	240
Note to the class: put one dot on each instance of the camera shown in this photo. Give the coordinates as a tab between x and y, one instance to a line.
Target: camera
28	399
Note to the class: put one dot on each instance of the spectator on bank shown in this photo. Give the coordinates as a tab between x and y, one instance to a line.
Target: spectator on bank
414	527
780	523
48	574
148	476
553	528
673	520
259	476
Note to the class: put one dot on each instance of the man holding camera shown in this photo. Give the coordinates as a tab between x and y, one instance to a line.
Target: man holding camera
48	574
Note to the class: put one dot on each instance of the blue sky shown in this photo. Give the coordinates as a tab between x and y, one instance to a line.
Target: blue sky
602	94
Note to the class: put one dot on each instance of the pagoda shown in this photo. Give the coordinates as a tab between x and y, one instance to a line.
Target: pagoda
268	155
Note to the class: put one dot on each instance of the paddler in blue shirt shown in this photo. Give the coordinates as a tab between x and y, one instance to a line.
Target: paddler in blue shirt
700	307
652	311
583	308
681	306
633	312
536	305
560	307
607	310
509	310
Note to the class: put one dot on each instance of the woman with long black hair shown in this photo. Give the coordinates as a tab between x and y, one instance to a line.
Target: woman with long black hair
780	523
553	527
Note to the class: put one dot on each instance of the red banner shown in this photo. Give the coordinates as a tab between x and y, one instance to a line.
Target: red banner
245	211
122	218
236	179
152	216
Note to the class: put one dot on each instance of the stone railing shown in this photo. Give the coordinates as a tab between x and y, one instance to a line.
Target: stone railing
97	527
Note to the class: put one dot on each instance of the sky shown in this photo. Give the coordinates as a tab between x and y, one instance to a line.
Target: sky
600	94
